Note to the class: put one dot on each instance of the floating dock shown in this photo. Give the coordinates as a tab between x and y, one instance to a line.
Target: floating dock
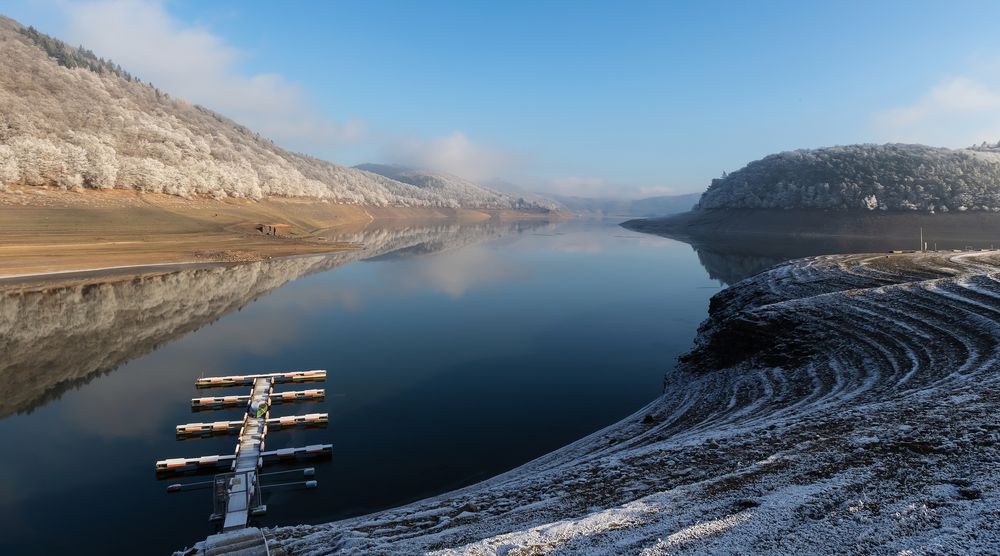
229	427
224	402
237	493
270	378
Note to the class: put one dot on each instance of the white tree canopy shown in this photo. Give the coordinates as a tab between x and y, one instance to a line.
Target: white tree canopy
865	177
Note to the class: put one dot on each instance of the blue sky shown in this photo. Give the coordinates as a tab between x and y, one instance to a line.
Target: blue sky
627	98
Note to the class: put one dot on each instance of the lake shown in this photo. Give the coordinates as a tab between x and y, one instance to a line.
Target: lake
453	353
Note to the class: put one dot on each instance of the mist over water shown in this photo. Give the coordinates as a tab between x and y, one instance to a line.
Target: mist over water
454	353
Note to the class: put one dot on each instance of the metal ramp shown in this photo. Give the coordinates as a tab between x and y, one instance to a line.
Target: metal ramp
236	494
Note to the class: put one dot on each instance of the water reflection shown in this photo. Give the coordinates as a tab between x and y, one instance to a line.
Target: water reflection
455	353
730	259
56	337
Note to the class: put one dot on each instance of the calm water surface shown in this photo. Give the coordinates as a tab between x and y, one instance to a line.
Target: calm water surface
454	353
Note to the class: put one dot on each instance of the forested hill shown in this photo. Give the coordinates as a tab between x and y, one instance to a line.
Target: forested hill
71	119
892	177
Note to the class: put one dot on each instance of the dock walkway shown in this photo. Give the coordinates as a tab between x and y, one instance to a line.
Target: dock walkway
237	493
248	460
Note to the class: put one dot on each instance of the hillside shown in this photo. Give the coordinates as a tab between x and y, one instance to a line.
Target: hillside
892	177
76	121
860	191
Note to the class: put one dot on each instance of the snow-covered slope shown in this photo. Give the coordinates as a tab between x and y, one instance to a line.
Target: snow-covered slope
864	177
70	119
838	404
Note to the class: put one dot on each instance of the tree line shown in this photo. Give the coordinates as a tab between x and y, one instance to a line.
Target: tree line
895	177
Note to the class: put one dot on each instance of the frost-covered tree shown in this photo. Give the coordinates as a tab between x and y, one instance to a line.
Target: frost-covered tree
71	119
864	177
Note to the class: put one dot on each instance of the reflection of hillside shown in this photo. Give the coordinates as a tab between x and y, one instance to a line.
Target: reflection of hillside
55	337
730	268
396	243
730	260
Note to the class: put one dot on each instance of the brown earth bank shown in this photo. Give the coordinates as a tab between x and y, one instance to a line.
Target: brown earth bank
49	230
980	229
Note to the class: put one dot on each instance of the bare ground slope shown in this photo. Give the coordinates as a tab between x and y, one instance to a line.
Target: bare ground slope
49	230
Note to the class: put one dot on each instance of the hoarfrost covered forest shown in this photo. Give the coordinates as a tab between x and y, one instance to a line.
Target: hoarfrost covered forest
893	177
73	120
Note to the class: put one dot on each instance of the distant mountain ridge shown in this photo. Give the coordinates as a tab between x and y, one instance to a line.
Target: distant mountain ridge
449	185
73	120
663	205
891	177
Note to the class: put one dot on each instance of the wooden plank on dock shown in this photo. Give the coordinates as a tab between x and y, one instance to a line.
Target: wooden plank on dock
247	380
219	402
208	429
298	395
310	420
286	454
231	427
270	457
178	465
223	402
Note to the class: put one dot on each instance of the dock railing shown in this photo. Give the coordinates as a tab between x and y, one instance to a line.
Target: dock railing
238	488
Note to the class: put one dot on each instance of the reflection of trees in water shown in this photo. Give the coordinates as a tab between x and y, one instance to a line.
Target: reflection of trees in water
730	260
730	268
57	337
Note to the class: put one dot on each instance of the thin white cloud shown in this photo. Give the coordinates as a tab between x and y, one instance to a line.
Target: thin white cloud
957	112
454	154
195	64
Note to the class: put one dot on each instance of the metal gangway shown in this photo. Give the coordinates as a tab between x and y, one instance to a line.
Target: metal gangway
236	493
